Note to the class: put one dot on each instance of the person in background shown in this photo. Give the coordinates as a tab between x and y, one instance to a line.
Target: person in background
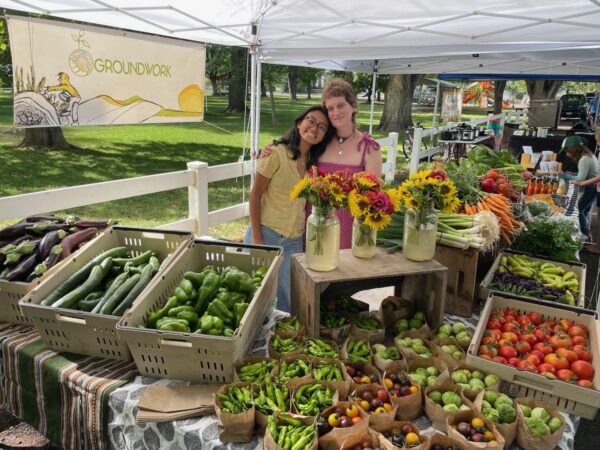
275	219
350	150
594	248
568	165
592	112
587	166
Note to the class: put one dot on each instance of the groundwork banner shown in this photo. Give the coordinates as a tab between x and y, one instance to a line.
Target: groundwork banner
69	74
451	104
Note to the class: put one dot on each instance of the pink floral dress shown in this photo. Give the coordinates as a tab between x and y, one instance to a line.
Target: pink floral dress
365	145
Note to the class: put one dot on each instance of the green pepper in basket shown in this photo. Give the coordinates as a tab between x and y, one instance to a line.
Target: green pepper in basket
209	288
155	316
261	271
238	281
172	324
239	309
230	298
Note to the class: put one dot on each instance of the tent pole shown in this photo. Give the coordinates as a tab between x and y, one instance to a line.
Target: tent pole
253	128
373	98
257	107
435	111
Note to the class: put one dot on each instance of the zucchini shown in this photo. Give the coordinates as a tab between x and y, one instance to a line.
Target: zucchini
118	281
93	281
119	294
78	277
145	278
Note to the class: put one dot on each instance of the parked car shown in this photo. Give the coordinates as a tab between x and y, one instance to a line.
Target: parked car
573	106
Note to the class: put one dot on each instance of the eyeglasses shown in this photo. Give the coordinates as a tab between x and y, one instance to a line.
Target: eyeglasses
321	128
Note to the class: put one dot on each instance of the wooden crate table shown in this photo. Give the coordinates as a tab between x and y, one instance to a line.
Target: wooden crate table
423	283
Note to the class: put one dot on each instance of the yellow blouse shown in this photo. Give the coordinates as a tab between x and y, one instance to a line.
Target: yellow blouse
279	212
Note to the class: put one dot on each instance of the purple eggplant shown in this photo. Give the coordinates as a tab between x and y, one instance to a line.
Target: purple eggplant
14	231
44	217
22	270
48	241
54	256
70	243
45	227
93	223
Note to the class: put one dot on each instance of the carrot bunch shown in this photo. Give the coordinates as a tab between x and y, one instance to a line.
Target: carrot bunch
502	208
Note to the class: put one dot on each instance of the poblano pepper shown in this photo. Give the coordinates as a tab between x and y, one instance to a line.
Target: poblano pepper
209	288
217	308
155	316
238	281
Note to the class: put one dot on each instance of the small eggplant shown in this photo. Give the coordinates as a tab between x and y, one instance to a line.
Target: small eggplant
93	223
44	217
48	241
45	227
71	242
21	271
14	231
54	256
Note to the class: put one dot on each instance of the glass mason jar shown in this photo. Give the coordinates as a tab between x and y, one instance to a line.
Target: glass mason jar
322	239
364	239
420	234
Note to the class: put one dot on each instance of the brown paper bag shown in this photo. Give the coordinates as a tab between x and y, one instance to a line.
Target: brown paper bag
430	362
251	360
373	336
383	364
234	427
435	412
171	399
410	406
344	350
462	344
356	438
374	418
470	393
343	385
393	309
447	358
261	417
292	383
446	441
466	416
333	439
388	430
367	369
269	441
334	398
337	334
507	430
277	355
333	344
408	352
301	332
528	441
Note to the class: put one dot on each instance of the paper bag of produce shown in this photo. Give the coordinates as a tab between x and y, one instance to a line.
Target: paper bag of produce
305	392
451	361
347	353
337	333
526	439
263	409
387	438
234	427
319	373
354	369
485	379
295	381
370	436
270	443
412	353
250	374
295	341
285	327
384	363
374	336
445	441
441	367
507	430
377	403
334	438
436	413
393	309
467	416
409	406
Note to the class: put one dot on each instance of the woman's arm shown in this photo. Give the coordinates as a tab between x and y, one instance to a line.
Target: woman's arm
373	162
583	168
587	182
261	183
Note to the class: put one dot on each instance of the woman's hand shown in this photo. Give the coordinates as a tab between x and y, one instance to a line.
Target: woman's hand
577	183
266	151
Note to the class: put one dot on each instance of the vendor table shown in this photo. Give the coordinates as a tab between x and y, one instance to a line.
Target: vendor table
458	148
538	144
82	402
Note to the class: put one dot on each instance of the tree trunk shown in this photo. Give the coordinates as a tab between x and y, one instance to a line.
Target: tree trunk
542	89
51	138
237	80
293	83
215	85
397	109
272	98
499	87
308	89
263	87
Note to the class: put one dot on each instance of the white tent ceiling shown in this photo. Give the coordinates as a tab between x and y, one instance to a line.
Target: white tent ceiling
406	36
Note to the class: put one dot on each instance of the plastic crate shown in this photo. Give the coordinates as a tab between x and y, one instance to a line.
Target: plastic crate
199	357
579	268
89	333
13	291
558	394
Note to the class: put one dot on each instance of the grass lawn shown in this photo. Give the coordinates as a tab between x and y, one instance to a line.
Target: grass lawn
114	152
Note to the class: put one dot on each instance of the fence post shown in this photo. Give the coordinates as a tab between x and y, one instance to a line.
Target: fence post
416	150
392	153
198	197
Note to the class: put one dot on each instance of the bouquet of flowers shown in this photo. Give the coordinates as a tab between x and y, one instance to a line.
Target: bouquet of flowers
371	205
427	190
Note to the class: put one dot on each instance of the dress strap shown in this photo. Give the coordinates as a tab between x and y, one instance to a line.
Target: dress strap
366	144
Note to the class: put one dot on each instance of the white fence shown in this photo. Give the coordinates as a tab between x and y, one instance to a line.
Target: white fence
196	178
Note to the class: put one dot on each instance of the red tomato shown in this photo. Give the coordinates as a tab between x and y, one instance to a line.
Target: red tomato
500	359
511	326
488	340
559	329
583	352
542	347
583	369
585	383
540	355
495	333
522	347
513	361
565	375
550	375
561	341
576	330
510	336
502	342
540	334
494	324
569	354
557	361
583	327
526	365
488	349
545	367
510	312
534	359
579	340
565	323
535	317
529	338
488	357
524	322
507	352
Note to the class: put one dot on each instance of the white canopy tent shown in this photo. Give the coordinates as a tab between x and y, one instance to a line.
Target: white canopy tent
416	36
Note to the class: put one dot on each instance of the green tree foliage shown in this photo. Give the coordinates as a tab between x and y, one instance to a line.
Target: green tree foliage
307	77
5	60
217	65
273	75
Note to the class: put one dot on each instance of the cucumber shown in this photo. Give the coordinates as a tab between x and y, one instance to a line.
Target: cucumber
136	261
79	277
118	281
94	280
91	300
119	294
145	278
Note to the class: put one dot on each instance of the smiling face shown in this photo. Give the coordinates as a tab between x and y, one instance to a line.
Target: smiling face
340	112
312	128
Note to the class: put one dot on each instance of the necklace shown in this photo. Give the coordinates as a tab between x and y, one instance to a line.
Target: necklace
341	141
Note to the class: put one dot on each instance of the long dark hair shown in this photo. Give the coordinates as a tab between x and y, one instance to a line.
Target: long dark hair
292	138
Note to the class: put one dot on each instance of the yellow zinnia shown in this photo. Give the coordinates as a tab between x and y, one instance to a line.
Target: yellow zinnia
299	188
377	220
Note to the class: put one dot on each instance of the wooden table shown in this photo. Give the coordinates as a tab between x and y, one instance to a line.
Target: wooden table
423	283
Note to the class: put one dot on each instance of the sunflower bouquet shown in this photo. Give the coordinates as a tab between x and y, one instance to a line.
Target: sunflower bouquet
371	206
427	190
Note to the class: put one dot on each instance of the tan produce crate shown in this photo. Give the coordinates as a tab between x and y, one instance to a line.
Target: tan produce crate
84	332
13	291
565	396
199	357
579	268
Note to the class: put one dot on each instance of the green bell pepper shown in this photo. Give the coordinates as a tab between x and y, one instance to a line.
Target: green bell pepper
155	316
207	291
172	324
239	309
238	281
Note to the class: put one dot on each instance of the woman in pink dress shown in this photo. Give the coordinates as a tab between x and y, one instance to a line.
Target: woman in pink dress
349	149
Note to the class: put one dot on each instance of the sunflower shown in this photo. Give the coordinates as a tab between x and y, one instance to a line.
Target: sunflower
395	197
448	189
358	204
411	202
299	188
365	183
377	220
337	192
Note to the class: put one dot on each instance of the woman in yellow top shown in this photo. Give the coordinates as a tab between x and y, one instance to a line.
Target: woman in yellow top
275	219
